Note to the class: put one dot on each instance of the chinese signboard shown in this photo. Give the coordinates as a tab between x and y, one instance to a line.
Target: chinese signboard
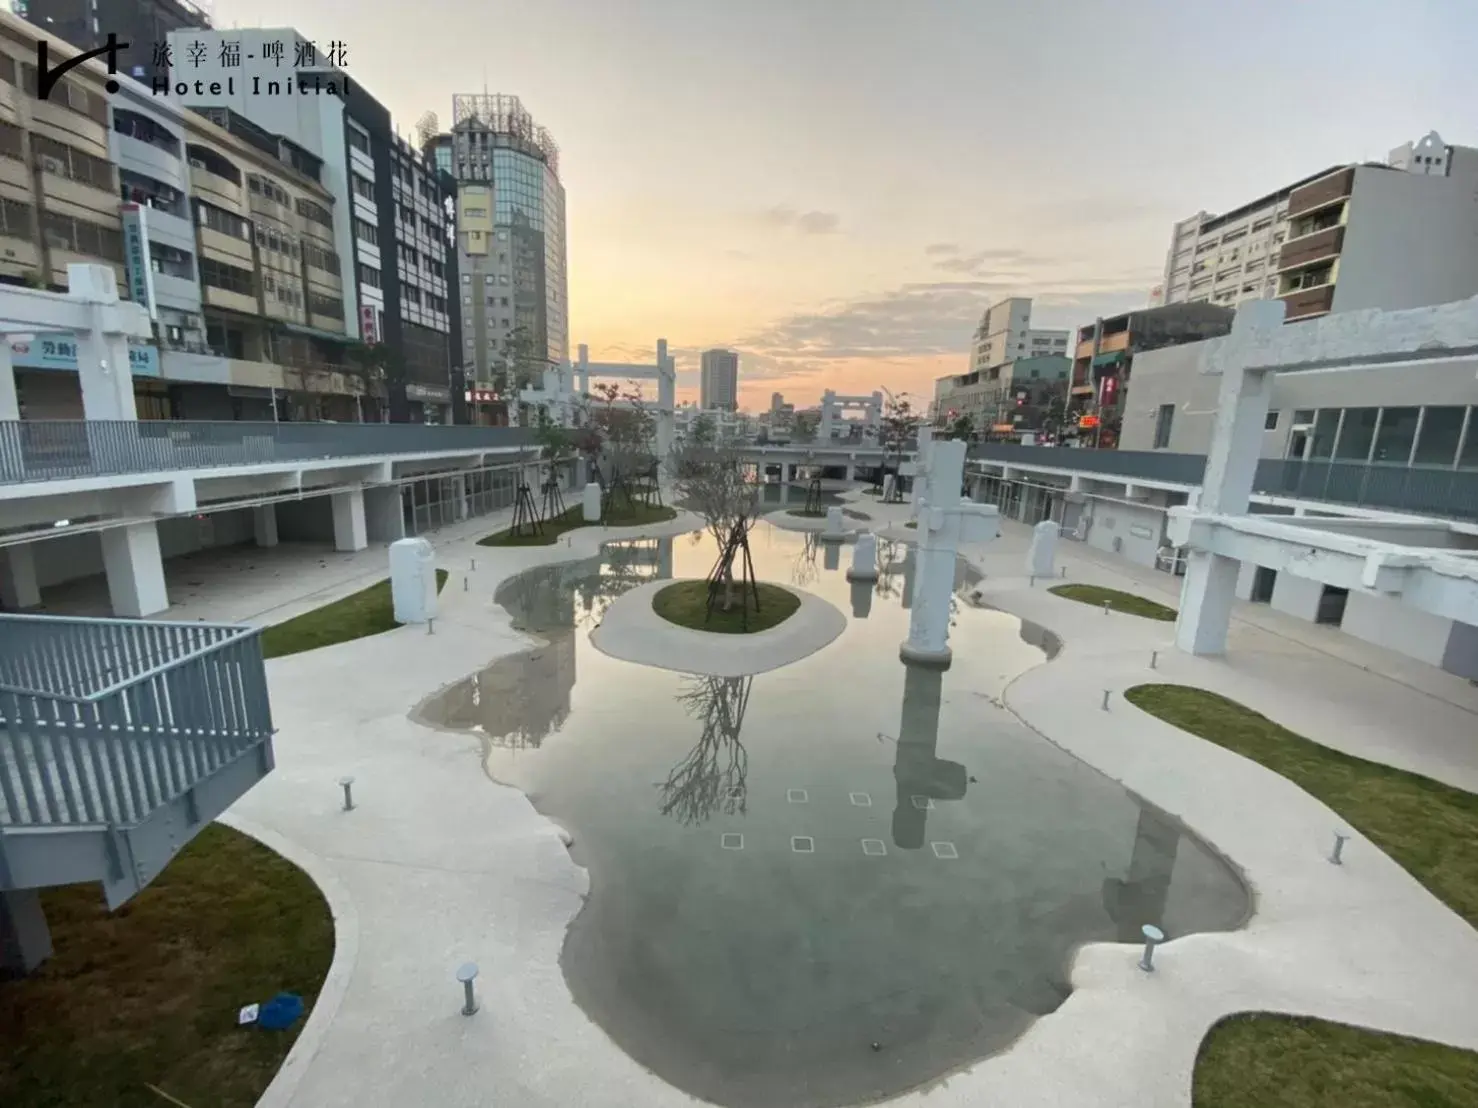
367	331
136	255
1087	421
60	352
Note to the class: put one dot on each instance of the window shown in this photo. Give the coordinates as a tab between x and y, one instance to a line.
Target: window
10	141
362	188
315	212
15	219
1356	434
230	278
466	278
1270	423
358	140
1397	433
1326	426
1468	459
62	160
79	236
1441	429
369	276
1163	420
221	221
365	231
319	258
331	306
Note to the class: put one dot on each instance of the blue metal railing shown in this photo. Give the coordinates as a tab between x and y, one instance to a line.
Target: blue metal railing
1430	490
102	721
53	450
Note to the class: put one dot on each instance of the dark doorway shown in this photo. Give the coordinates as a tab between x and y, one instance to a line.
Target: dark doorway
1332	605
1263	581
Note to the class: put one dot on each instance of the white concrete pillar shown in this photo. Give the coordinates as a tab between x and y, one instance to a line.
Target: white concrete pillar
1241	411
460	508
18	588
384	515
25	941
349	530
828	414
1206	596
10	405
135	570
264	524
103	369
851	471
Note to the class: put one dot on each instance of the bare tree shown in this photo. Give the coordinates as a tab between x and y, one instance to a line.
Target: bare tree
711	777
719	485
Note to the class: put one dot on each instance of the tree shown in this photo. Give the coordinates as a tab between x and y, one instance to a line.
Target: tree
897	430
702	431
803	427
711	777
376	365
719	485
616	430
962	428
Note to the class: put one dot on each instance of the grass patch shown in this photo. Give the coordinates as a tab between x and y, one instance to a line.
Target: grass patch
1430	829
912	525
686	604
1117	601
872	492
634	515
804	514
366	612
148	995
1294	1062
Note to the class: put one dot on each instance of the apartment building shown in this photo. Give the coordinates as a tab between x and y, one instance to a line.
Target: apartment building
1005	401
1103	360
141	24
1402	234
1005	334
718	380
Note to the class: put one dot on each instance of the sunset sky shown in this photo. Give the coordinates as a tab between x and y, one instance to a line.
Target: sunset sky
838	188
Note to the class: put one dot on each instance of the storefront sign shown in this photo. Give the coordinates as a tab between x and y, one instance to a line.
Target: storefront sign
481	396
60	352
427	392
139	262
367	330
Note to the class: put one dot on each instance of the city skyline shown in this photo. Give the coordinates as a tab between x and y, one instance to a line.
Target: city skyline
778	225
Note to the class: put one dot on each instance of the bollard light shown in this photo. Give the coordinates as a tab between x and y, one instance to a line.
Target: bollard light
1031	581
1153	937
474	563
347	784
467	973
1105	607
431	627
464	582
1106	693
1063	573
1337	857
1154	659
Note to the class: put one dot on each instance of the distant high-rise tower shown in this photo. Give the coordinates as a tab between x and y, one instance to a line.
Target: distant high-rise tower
510	237
719	381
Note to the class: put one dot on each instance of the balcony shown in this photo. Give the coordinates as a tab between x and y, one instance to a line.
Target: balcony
1321	193
1308	302
119	741
1311	248
64	450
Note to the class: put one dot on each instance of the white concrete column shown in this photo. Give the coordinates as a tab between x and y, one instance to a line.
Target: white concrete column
349	531
103	369
264	524
1241	411
460	508
18	588
384	515
25	941
10	405
1206	596
135	570
851	471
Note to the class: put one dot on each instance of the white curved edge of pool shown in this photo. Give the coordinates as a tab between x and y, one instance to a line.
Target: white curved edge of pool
305	1048
633	632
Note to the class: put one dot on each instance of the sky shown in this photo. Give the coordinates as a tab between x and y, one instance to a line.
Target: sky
839	188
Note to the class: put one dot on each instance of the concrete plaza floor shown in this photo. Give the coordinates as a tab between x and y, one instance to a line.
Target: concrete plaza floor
436	865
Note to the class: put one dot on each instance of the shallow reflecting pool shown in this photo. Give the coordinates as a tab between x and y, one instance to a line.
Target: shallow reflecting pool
790	868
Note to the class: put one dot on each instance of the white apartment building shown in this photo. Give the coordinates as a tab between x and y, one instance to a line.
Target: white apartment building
1392	236
1005	334
719	380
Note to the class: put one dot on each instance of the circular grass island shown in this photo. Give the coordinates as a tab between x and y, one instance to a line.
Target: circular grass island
685	603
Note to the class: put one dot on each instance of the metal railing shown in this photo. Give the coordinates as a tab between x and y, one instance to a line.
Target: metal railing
54	450
103	721
1429	490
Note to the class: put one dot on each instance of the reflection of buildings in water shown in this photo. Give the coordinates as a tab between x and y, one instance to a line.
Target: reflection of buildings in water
1140	897
621	567
910	574
831	557
711	778
516	702
919	776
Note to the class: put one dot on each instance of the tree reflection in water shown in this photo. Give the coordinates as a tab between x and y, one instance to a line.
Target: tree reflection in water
804	571
711	777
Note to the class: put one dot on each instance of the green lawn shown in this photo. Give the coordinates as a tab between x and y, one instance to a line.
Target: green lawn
686	604
367	612
148	995
1430	829
623	515
1117	601
812	514
870	491
912	525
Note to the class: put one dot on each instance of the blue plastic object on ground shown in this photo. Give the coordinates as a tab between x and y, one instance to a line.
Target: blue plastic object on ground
281	1012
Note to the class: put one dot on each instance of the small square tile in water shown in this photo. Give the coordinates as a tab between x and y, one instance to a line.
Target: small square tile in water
861	800
923	802
874	848
944	850
797	796
732	840
803	844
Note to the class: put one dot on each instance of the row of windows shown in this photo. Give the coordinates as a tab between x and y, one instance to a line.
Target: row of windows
1395	436
330	306
262	186
319	258
221	221
94	105
362	188
230	278
76	165
366	231
412	295
369	276
16	219
79	236
315	212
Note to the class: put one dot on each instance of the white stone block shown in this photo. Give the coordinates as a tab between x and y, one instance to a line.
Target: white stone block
1041	558
864	558
590	502
413	580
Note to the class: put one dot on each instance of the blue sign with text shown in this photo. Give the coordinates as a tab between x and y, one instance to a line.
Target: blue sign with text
60	352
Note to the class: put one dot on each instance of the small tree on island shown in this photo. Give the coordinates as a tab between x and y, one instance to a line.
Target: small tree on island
716	482
897	429
616	432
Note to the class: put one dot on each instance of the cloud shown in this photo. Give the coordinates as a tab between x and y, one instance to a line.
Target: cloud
785	218
983	262
937	249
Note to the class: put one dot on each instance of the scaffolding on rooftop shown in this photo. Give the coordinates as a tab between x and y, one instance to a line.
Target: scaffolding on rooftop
505	115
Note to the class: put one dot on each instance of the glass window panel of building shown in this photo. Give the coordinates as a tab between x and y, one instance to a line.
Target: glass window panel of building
1414	436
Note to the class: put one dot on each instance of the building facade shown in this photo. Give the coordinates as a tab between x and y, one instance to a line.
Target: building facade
1016	398
1005	334
718	385
1399	235
511	248
140	27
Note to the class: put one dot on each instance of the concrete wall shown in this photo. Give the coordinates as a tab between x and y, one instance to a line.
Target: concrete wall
74	557
1297	596
1409	242
1461	656
309	520
1387	622
1138	530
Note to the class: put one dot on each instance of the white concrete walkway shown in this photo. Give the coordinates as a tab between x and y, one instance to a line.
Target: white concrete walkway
436	865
